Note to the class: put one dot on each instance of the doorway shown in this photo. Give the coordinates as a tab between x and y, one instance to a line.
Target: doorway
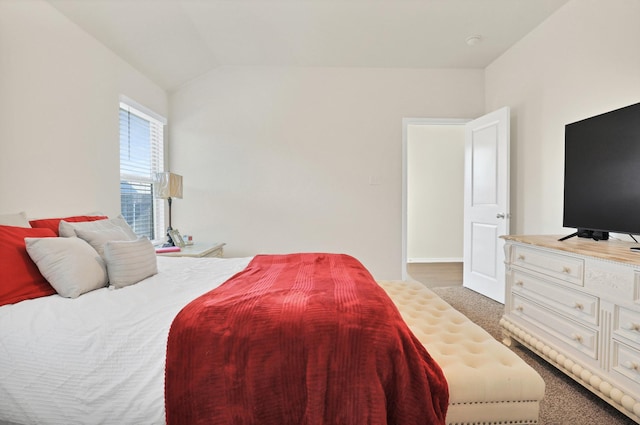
433	199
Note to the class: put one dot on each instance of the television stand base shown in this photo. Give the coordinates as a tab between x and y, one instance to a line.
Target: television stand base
596	235
568	237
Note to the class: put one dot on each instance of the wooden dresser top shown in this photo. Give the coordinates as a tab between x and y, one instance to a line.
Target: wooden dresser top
612	249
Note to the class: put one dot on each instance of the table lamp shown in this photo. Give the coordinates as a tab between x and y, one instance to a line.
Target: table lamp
168	186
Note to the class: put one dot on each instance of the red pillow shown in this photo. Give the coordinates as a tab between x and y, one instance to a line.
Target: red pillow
53	223
20	278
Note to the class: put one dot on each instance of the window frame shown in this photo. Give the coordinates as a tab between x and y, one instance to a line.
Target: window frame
158	162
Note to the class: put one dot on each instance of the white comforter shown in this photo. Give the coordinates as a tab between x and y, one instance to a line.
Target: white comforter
100	358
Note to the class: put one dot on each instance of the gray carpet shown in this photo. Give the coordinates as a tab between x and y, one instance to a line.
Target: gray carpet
566	402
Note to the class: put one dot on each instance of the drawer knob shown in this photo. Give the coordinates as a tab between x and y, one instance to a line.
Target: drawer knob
577	338
578	306
519	283
520	308
631	365
566	270
521	257
632	327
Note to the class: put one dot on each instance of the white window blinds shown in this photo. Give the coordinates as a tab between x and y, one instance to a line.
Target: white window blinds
141	157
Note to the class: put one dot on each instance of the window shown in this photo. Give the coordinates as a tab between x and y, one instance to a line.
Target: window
141	157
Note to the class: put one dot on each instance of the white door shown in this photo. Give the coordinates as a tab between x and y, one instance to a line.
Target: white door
486	203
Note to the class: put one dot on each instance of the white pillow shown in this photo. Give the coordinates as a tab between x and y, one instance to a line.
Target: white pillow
98	238
129	262
17	220
70	265
68	229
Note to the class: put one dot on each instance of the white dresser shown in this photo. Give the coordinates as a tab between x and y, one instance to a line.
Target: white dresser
576	303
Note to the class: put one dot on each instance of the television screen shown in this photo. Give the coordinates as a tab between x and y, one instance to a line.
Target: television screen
602	172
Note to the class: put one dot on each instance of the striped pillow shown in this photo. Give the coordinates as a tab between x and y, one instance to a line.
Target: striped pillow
129	262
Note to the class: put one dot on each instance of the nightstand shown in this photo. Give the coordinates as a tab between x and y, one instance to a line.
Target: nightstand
198	249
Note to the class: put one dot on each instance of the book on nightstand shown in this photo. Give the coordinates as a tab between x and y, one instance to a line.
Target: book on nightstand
164	249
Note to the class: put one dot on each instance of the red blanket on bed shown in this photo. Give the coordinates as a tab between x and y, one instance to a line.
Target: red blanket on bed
299	339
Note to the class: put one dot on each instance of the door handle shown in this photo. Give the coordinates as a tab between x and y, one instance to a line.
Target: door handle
500	215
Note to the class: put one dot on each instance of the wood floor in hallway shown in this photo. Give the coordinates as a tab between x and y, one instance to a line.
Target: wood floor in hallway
435	275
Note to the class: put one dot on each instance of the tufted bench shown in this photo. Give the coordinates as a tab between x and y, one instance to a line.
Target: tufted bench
488	383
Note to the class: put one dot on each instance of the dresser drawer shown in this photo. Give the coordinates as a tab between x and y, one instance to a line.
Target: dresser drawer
627	324
564	267
580	306
626	362
579	337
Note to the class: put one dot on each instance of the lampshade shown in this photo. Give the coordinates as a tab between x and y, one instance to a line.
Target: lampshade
168	185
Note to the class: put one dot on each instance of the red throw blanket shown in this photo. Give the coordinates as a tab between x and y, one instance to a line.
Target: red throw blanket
301	339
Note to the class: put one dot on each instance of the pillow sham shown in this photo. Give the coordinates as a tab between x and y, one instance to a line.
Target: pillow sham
129	262
53	223
98	238
20	278
16	220
69	229
70	265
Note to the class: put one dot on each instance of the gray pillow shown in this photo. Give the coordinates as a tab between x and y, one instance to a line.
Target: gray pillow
67	229
70	265
98	238
17	220
129	262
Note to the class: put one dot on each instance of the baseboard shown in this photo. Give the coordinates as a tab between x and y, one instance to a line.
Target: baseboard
434	260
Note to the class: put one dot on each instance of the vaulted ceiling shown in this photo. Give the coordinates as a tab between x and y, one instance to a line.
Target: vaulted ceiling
175	41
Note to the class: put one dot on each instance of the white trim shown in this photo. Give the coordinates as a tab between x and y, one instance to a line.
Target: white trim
141	108
406	122
434	260
434	121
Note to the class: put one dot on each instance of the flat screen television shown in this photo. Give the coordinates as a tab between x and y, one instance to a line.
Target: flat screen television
602	174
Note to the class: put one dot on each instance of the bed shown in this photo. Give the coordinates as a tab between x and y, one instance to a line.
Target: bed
100	357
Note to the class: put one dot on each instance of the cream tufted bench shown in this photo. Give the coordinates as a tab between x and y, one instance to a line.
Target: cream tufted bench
488	383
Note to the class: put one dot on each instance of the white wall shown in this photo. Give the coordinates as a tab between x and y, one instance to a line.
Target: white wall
59	90
280	160
582	61
305	159
435	193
